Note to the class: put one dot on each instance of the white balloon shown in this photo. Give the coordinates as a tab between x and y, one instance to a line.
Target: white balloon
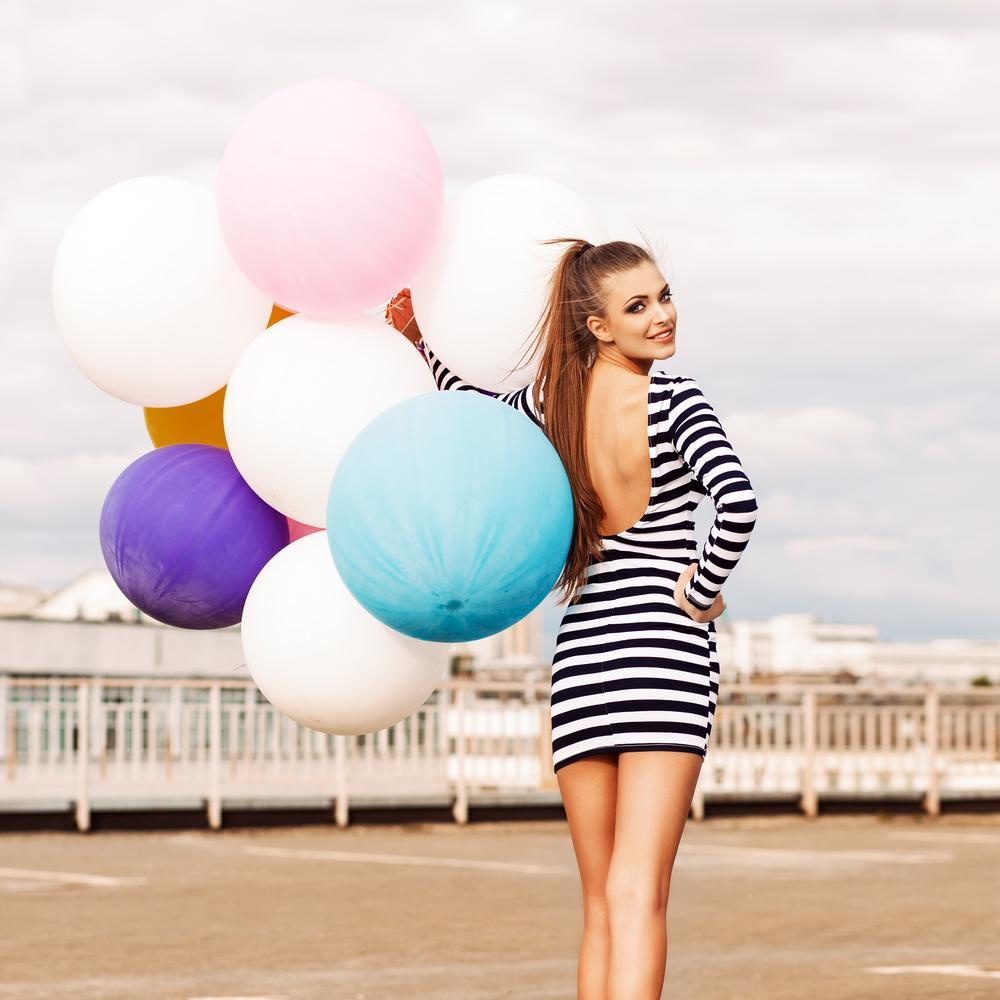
301	392
481	293
150	304
320	658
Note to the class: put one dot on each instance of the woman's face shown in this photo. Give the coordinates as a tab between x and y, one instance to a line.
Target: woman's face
638	310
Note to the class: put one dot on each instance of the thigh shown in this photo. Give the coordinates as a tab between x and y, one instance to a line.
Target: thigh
655	788
589	792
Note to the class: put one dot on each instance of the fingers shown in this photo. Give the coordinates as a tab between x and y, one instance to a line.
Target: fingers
396	303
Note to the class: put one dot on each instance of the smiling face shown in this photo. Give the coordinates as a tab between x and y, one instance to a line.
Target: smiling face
637	311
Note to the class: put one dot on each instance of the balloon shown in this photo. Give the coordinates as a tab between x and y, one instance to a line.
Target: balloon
297	530
194	423
295	402
482	292
184	536
320	658
199	422
278	314
330	196
450	516
149	302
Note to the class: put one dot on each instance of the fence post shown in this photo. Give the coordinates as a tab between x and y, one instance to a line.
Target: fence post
341	802
82	809
932	727
5	747
460	810
99	725
53	730
215	756
810	799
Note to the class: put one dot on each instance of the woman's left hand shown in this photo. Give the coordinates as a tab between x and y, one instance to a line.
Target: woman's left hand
399	315
702	615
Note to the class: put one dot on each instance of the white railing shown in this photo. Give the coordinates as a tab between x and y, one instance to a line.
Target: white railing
148	744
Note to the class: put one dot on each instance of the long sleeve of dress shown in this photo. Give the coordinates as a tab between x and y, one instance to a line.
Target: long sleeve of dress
444	378
700	440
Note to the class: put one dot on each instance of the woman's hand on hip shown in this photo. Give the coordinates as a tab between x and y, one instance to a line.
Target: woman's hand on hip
702	615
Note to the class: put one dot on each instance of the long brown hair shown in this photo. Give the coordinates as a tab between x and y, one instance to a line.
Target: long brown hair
576	291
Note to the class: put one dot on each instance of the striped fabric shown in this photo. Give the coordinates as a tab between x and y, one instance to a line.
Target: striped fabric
696	434
631	670
444	378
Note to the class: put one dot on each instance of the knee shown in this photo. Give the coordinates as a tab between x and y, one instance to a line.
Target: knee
634	893
595	912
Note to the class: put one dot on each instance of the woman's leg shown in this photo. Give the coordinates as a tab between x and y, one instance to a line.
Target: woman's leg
655	788
588	788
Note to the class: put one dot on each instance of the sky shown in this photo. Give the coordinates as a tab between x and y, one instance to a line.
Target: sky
820	180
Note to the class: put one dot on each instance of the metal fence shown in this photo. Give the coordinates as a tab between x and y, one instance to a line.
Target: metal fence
136	743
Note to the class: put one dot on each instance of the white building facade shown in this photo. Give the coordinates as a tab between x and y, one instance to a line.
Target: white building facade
804	647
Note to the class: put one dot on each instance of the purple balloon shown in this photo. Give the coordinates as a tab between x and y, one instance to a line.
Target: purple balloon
184	536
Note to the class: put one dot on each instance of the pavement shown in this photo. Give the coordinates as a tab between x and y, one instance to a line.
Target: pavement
776	907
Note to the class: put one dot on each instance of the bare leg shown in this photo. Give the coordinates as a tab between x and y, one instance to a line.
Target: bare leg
655	788
588	788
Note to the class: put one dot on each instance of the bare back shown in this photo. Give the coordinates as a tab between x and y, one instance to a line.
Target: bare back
617	442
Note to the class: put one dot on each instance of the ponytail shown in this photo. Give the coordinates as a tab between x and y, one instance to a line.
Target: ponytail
576	291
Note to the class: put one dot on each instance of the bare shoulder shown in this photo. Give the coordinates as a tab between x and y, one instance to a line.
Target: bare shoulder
618	391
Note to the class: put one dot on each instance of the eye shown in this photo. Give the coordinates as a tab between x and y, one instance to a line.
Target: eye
666	293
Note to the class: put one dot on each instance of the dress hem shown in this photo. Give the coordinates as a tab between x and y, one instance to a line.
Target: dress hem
626	748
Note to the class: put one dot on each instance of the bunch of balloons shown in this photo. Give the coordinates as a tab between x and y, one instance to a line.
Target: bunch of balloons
237	320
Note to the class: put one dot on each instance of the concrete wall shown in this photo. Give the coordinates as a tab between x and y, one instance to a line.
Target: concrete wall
118	649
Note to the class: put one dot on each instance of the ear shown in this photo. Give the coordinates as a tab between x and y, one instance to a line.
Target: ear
597	326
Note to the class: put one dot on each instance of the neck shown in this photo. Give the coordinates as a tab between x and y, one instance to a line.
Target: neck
612	355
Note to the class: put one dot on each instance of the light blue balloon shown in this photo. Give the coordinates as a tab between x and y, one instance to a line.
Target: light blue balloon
450	516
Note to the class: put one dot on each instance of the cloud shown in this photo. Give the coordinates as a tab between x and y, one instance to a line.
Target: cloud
805	437
58	493
838	544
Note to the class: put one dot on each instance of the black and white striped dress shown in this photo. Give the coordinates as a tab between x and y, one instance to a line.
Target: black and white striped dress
631	670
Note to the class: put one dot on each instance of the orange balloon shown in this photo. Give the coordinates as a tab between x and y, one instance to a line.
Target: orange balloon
199	422
278	313
193	423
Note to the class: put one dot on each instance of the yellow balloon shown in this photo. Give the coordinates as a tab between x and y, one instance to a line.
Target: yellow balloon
199	422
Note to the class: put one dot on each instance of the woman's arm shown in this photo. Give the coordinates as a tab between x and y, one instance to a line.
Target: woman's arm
698	436
399	314
445	378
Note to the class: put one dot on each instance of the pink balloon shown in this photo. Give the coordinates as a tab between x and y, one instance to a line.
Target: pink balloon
330	196
296	529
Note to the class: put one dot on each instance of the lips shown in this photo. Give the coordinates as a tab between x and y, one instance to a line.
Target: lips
663	335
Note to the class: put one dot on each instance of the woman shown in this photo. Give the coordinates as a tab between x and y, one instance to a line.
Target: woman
635	665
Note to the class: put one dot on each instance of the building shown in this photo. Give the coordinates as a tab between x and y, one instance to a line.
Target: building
802	647
89	628
17	601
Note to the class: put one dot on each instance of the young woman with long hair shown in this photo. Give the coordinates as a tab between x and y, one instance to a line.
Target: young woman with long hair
635	676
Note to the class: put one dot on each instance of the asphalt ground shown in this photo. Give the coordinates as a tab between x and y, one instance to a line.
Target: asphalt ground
780	907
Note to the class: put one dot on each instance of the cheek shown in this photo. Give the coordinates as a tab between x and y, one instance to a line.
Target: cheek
638	330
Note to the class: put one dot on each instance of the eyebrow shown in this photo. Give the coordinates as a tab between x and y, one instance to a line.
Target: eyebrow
662	290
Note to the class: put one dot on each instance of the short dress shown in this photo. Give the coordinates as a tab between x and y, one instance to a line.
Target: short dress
631	670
